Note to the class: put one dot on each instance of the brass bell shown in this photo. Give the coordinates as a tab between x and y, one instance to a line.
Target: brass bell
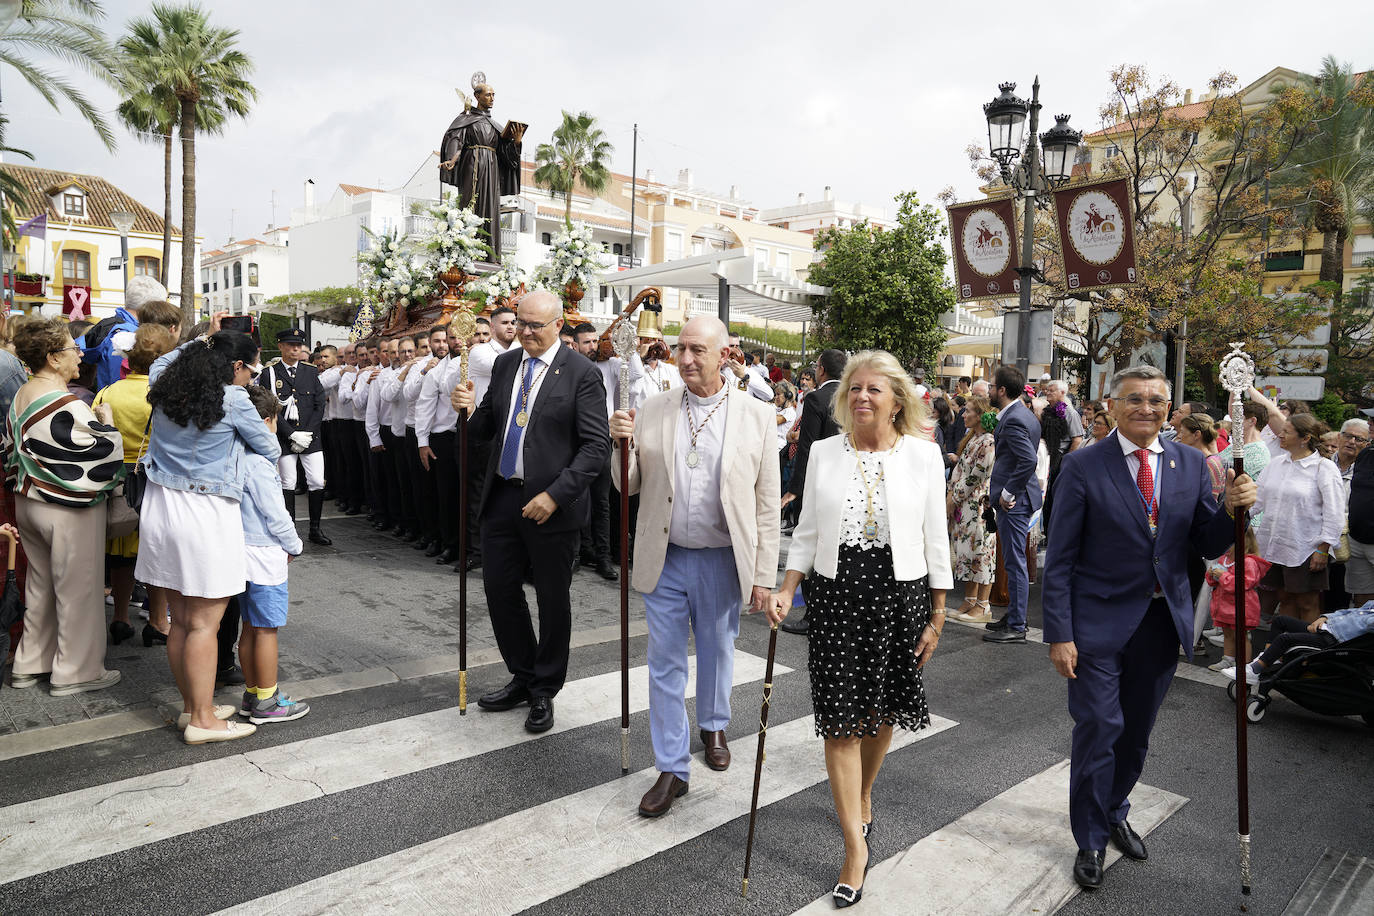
650	322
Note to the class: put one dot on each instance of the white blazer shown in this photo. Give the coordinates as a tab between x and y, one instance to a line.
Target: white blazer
914	484
749	490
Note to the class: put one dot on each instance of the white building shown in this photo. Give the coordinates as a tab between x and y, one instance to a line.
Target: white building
81	243
826	213
243	275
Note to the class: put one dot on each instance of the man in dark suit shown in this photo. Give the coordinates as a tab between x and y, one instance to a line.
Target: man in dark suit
1015	490
545	411
296	383
817	422
1128	513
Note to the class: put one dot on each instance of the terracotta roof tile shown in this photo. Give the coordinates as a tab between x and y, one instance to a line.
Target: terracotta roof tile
1177	113
353	190
102	198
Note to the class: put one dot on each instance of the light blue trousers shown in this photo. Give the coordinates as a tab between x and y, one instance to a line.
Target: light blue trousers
698	589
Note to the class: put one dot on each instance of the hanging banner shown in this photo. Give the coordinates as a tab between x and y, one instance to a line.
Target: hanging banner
76	302
983	236
1096	235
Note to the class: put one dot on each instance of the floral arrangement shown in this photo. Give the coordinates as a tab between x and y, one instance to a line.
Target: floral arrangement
454	243
506	281
390	272
988	421
575	259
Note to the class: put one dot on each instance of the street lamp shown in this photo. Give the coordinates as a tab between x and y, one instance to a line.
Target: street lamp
123	221
1007	116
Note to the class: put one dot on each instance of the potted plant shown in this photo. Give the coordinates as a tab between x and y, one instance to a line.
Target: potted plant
29	284
453	247
574	262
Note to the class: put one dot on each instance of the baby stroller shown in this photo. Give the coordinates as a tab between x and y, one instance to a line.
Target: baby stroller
1338	681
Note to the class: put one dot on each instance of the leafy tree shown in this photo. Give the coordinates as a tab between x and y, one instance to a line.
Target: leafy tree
579	155
70	30
201	66
887	287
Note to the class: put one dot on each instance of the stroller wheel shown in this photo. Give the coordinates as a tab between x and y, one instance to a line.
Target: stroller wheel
1254	710
1231	691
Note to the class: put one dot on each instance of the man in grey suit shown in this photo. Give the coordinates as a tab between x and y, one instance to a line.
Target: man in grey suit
1016	493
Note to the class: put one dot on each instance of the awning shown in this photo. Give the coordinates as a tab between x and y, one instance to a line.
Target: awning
974	345
762	292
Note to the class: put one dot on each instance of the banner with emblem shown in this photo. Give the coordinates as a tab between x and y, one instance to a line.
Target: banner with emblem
1096	235
983	236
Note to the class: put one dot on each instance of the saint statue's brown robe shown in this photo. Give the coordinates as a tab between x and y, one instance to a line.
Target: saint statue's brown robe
488	166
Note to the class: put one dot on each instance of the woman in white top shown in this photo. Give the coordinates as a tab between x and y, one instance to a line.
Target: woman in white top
785	402
1303	501
873	539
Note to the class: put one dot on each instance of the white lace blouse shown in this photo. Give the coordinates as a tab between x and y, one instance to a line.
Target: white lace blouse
855	514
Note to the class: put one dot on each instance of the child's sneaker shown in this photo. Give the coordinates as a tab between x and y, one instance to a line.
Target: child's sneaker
246	707
277	708
1226	662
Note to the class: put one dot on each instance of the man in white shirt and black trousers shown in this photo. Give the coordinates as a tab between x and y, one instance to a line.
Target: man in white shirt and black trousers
545	414
296	384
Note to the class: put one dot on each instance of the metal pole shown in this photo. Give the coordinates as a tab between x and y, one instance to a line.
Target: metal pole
124	263
723	301
634	184
1027	269
803	352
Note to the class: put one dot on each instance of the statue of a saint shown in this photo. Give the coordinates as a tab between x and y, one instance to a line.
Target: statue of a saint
482	160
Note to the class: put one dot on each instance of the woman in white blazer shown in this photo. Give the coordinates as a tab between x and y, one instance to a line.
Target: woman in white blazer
873	538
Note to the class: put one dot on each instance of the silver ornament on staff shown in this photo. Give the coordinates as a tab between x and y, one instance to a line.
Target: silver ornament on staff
1238	377
460	330
624	340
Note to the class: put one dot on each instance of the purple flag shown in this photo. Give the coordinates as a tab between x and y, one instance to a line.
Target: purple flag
36	227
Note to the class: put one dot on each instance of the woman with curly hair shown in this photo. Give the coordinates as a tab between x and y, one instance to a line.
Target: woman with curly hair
65	460
974	547
190	528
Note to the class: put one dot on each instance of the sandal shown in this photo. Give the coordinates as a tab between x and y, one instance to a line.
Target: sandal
984	614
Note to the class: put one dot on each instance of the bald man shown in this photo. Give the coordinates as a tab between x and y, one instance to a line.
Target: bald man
704	458
545	414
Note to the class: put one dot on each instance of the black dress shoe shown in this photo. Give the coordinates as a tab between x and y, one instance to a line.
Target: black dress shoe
353	510
151	636
843	895
1007	635
317	536
472	563
434	549
409	535
421	544
606	570
447	556
1087	868
1129	842
120	631
586	559
540	718
508	697
801	626
999	624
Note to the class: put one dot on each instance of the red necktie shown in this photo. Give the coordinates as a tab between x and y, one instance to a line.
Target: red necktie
1145	483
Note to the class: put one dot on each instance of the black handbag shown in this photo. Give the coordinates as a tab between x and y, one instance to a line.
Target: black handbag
136	481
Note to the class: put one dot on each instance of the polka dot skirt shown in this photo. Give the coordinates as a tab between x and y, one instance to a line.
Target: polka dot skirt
862	646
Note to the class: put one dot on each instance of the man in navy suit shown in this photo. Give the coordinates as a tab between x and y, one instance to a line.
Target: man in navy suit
1128	512
1016	490
545	414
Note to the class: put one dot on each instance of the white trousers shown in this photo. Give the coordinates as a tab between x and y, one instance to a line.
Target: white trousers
314	469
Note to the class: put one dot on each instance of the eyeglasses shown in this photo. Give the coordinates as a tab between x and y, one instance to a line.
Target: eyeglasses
65	349
1135	402
1362	440
535	326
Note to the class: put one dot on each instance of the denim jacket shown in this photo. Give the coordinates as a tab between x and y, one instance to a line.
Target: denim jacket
1347	624
265	522
207	461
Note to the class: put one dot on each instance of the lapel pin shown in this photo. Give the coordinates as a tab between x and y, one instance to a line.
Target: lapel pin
1171	464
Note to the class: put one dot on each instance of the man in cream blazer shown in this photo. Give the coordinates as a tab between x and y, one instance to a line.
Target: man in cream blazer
704	460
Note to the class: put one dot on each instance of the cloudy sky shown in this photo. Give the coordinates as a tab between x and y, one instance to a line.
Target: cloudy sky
869	97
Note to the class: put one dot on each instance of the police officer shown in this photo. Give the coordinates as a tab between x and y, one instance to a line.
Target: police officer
296	384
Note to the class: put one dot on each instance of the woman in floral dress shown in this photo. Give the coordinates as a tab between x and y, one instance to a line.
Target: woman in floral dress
974	553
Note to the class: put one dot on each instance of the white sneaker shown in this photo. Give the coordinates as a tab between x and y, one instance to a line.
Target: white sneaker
1212	631
108	679
1251	678
1226	662
1219	640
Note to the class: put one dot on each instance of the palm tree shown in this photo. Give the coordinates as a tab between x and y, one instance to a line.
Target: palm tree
202	69
1334	166
12	190
579	154
70	30
151	111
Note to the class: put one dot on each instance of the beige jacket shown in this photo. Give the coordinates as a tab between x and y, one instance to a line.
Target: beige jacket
750	490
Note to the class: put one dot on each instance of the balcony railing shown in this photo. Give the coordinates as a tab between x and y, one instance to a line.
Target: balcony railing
701	305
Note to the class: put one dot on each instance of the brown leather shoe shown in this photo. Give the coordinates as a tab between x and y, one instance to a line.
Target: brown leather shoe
659	799
717	752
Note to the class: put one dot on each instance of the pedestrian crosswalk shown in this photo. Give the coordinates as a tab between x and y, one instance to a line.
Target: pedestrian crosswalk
580	850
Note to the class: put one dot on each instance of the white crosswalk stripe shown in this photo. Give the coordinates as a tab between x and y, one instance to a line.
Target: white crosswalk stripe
564	843
52	832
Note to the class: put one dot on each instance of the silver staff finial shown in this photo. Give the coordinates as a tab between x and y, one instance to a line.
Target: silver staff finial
1237	377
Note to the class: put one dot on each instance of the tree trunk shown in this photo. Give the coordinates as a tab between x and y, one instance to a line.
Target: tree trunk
164	267
1333	256
188	212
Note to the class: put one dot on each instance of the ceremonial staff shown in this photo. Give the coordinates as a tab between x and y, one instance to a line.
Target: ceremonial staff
460	331
624	338
1237	376
758	756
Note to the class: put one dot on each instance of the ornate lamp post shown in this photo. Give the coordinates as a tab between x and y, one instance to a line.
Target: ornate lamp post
1007	116
123	222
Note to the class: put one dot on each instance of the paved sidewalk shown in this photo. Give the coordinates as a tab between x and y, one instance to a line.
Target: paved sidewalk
368	602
